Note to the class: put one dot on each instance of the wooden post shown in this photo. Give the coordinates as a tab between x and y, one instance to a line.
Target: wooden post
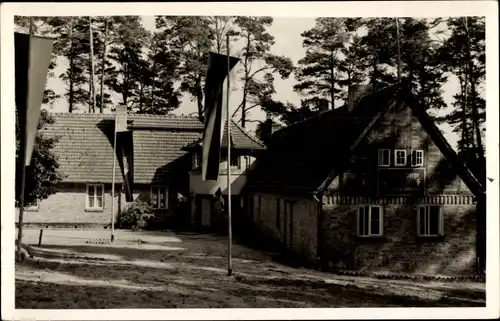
92	83
40	238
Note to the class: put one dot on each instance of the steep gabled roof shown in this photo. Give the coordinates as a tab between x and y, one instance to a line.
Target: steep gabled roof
85	146
240	139
305	157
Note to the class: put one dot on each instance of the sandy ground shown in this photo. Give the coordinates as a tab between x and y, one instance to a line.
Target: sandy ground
168	270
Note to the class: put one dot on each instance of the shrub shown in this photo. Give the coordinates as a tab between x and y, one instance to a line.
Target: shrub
136	216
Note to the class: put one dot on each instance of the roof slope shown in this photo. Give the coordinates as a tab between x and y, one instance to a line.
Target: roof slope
306	156
85	146
240	139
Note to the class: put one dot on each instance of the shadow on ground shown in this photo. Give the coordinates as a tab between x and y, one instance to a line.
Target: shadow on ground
193	274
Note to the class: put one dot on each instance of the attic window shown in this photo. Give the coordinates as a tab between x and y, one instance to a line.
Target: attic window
384	157
417	158
400	157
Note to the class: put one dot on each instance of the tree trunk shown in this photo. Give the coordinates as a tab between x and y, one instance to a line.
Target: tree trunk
103	66
199	96
71	65
92	85
332	88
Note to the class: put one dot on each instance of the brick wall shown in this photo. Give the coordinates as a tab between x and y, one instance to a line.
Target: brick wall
400	249
304	222
68	205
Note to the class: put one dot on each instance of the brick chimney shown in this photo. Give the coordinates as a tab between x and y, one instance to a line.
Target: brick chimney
275	127
323	105
355	93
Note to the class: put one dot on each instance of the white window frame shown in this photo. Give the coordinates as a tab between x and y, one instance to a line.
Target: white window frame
396	157
415	157
381	221
157	188
427	226
381	157
195	161
87	199
238	161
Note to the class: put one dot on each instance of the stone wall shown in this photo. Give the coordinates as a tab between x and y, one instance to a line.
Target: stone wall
400	249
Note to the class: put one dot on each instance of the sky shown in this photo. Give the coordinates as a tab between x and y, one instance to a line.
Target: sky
288	42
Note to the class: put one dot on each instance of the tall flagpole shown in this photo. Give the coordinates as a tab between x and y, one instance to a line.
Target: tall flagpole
230	232
24	140
113	187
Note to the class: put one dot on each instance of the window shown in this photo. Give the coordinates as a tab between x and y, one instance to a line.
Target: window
159	197
34	207
370	221
400	157
384	157
195	160
430	221
417	158
95	196
235	161
278	213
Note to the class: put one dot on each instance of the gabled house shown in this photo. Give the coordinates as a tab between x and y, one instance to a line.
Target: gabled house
164	166
372	185
245	148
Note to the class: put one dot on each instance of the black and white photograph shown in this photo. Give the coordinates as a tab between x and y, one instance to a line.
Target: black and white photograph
174	157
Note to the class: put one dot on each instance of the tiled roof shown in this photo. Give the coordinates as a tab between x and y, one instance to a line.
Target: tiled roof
85	149
240	139
305	156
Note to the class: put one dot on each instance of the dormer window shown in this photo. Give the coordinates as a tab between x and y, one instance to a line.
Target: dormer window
400	157
195	160
417	159
384	157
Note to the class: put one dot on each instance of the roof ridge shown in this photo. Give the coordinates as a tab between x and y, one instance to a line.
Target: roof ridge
255	139
167	116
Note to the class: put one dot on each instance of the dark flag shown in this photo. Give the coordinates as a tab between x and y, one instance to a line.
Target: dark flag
32	59
215	112
124	150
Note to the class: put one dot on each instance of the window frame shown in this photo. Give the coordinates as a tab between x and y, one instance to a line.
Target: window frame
195	160
157	205
396	158
87	197
414	158
33	208
381	221
278	213
427	228
380	157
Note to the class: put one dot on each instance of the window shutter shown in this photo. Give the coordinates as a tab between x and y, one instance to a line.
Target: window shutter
360	215
166	197
421	221
441	222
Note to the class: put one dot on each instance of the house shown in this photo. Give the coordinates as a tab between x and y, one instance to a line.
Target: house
372	185
161	164
244	150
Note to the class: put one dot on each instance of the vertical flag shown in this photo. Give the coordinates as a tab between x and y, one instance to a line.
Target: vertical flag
215	112
124	149
32	59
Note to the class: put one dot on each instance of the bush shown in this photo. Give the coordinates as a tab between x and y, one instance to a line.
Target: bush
136	216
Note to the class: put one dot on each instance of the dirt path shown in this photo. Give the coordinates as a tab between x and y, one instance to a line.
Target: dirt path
166	270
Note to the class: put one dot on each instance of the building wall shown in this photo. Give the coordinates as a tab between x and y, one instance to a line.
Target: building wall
304	222
68	205
400	249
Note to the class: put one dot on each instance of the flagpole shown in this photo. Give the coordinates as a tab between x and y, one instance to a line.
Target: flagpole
24	139
230	232
113	187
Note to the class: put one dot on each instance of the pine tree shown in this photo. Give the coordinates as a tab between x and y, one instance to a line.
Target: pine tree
259	64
